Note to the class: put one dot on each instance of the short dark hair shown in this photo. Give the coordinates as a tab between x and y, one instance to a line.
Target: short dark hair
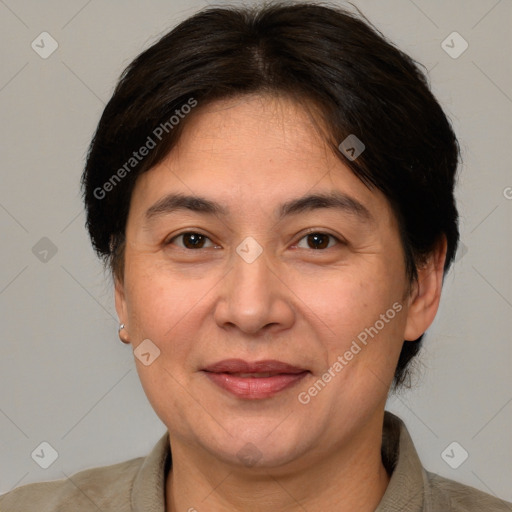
317	54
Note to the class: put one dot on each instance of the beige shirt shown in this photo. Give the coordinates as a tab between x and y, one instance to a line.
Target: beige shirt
138	485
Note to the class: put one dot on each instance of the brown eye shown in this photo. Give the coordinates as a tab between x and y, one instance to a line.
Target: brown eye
317	240
191	240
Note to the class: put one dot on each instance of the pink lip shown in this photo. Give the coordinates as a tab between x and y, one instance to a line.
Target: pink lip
284	376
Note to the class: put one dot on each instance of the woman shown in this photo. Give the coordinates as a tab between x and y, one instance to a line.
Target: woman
272	189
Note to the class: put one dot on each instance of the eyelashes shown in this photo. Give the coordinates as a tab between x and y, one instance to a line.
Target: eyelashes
317	237
195	240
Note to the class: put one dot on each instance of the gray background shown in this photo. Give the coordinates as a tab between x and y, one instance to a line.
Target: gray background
65	377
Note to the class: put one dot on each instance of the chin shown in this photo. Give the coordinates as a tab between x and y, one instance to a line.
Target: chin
258	445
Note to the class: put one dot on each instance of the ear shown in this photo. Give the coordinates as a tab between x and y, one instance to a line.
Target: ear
120	301
426	293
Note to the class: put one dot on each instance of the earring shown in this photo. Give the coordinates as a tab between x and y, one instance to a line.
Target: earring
123	339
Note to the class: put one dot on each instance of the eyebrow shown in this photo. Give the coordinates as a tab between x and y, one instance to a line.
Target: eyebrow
337	200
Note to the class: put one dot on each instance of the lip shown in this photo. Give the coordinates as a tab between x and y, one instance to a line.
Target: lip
282	376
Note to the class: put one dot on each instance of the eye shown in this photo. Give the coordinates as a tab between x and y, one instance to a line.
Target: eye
194	240
191	240
317	240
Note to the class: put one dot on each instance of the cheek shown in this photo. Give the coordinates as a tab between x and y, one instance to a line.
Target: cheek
362	320
157	305
344	303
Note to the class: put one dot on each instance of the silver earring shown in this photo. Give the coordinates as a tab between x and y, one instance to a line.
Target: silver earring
124	340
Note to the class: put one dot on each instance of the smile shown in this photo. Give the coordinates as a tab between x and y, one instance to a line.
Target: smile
258	380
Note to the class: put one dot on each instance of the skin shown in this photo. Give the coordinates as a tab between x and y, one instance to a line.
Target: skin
295	303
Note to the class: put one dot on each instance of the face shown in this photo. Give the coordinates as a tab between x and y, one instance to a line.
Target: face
258	272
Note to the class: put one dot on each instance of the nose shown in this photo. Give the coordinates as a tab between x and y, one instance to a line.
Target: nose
253	298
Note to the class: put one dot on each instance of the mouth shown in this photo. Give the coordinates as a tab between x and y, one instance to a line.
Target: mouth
256	380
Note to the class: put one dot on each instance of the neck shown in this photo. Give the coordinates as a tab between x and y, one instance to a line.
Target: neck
346	478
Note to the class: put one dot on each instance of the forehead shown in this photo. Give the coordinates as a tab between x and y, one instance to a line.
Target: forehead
259	126
253	151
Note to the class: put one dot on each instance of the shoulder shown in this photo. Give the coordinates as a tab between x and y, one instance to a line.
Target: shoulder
457	497
413	488
105	488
